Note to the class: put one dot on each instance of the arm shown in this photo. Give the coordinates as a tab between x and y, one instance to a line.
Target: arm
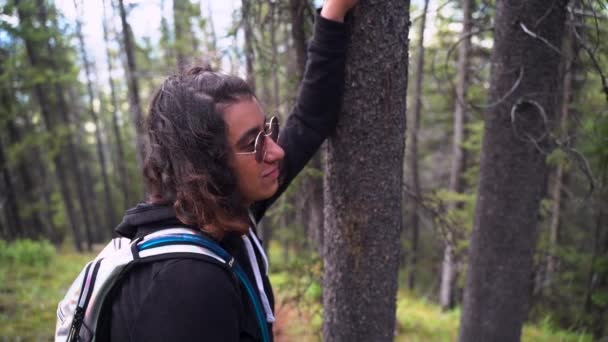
314	116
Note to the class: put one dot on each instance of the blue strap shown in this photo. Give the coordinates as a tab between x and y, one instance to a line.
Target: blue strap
201	241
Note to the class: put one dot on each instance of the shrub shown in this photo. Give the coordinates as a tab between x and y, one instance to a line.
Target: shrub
26	252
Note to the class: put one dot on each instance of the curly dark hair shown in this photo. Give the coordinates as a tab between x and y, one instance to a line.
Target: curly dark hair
187	157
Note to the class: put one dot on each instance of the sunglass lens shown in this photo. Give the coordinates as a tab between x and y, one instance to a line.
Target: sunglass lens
260	147
274	128
274	134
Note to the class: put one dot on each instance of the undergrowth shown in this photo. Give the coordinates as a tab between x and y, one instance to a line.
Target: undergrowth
34	277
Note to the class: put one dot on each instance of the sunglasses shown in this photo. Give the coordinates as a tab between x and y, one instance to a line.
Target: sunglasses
271	130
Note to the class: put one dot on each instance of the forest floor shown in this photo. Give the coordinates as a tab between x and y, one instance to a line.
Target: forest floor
29	296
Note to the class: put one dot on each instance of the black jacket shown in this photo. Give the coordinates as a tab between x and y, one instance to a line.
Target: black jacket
193	300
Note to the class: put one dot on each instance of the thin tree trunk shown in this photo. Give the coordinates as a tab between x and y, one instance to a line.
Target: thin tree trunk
121	164
110	215
412	160
30	169
10	205
296	10
84	189
45	108
364	178
310	207
212	41
248	31
180	30
556	190
273	57
513	171
8	198
133	86
448	269
596	252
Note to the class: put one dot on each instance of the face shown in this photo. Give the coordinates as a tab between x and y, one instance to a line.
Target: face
256	180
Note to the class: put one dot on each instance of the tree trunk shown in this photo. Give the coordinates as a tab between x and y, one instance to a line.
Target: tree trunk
556	190
79	166
274	15
121	164
133	86
412	156
29	169
364	178
310	206
41	92
595	280
179	16
513	172
298	34
110	215
249	53
9	199
449	266
212	37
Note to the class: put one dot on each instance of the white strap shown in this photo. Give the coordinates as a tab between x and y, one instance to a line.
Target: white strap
179	249
257	243
258	279
171	231
176	248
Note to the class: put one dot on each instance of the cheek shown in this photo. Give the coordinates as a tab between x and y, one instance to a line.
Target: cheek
247	173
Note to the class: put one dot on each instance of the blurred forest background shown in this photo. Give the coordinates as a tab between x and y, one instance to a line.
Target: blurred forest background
70	152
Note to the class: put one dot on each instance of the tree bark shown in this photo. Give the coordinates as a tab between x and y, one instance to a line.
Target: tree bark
133	86
309	206
9	199
179	16
364	178
34	177
110	215
558	181
25	18
513	172
249	52
121	164
449	265
212	37
79	166
298	34
594	280
274	15
412	156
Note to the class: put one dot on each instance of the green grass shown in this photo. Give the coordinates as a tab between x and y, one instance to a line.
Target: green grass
29	294
420	320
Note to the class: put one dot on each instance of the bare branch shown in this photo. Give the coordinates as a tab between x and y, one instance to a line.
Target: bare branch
542	39
506	95
589	50
542	113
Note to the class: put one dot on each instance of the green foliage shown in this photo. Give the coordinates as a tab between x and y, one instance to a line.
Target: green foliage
420	320
29	294
26	253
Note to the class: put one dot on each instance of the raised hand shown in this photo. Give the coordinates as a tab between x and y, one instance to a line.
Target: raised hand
336	9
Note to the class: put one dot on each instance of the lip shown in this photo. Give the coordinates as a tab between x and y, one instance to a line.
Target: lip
272	173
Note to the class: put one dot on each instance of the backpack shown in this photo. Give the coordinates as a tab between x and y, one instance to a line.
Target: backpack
78	313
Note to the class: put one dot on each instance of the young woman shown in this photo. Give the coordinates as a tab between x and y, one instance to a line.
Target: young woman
215	163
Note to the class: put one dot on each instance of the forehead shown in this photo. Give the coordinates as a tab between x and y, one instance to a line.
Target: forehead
242	116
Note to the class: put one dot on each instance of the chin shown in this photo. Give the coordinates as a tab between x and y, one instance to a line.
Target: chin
269	192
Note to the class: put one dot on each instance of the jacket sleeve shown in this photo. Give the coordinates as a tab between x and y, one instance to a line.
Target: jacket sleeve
314	116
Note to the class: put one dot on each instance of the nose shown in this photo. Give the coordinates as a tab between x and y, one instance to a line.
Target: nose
274	152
